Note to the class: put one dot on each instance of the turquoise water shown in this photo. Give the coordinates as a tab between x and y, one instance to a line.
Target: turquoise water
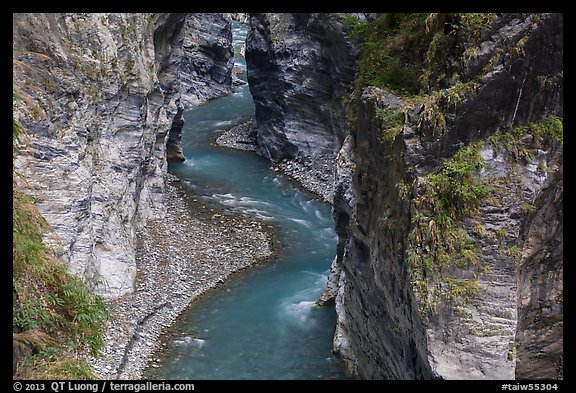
261	324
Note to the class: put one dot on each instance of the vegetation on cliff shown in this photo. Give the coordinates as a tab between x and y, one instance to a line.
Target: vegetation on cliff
452	194
415	53
449	195
56	318
435	62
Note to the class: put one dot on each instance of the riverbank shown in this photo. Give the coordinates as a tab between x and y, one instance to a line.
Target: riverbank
315	176
192	249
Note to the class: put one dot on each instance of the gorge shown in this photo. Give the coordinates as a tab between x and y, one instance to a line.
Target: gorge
444	173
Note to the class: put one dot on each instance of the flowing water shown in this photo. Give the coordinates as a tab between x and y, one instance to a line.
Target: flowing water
261	324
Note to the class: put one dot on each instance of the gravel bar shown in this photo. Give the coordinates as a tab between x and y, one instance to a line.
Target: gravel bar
194	248
314	174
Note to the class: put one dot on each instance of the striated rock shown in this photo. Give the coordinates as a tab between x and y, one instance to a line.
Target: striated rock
539	334
342	210
383	331
96	94
477	340
299	68
195	59
241	17
379	328
174	142
520	85
173	270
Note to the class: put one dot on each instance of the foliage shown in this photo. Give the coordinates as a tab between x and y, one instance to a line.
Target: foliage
435	105
415	53
455	189
513	352
432	61
515	253
49	300
432	114
16	128
392	52
434	67
354	27
461	289
473	23
527	208
392	122
420	57
543	134
16	135
448	196
51	364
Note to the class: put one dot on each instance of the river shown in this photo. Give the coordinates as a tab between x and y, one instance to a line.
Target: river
262	323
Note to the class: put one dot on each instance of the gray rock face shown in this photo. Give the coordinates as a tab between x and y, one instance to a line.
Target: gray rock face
379	328
195	58
380	331
342	210
299	67
241	17
174	143
539	335
96	94
475	339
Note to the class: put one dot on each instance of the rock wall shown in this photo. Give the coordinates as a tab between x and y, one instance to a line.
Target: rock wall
379	333
194	58
299	67
539	335
96	95
506	76
383	331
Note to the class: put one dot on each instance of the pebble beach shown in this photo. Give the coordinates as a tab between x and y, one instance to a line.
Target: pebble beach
193	249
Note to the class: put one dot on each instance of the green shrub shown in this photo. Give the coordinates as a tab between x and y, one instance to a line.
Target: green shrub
473	23
416	53
448	196
50	302
392	122
456	189
354	27
390	56
545	133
